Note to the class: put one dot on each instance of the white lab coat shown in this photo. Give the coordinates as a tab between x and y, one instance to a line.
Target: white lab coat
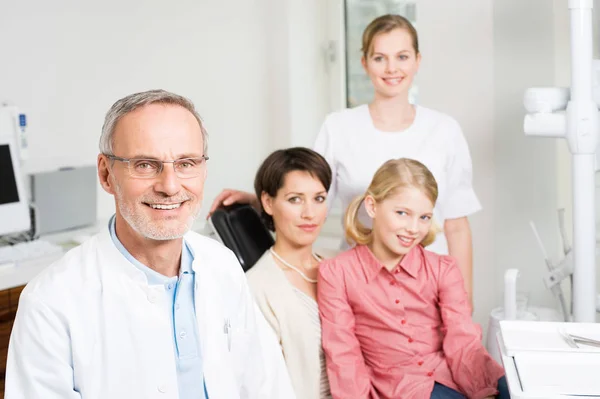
95	310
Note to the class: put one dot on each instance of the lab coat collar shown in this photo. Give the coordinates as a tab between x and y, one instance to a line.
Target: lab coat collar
115	259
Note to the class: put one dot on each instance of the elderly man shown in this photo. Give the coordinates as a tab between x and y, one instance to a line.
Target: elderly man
146	309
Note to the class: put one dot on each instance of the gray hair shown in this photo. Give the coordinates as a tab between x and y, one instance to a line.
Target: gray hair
134	101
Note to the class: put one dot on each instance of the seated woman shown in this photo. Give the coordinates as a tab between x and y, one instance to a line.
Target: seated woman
292	186
396	318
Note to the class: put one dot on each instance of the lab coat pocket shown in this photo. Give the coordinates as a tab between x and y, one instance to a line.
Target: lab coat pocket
236	338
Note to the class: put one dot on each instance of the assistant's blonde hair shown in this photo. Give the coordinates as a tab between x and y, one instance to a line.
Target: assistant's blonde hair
392	176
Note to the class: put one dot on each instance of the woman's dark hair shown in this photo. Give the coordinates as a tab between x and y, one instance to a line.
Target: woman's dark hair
271	174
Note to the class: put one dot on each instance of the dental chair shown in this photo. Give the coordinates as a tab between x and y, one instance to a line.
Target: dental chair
240	228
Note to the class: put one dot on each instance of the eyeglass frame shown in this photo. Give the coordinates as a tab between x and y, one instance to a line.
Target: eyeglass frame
162	163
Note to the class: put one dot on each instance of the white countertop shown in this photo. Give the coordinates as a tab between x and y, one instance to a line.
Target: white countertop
539	364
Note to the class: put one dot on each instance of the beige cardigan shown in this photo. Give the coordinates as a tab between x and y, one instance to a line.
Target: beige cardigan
287	315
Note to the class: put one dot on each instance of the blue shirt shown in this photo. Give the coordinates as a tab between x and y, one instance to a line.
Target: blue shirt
180	301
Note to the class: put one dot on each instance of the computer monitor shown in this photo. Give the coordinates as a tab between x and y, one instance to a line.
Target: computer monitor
14	209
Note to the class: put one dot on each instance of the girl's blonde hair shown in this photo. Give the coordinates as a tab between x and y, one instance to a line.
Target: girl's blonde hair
394	175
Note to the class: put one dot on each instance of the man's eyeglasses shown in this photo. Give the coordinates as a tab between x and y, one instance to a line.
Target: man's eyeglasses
185	168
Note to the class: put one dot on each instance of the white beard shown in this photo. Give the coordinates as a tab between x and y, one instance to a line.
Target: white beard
149	228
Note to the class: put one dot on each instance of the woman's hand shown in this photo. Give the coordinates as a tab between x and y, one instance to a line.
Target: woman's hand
229	197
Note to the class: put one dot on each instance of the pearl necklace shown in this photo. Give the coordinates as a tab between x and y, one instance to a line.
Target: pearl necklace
304	276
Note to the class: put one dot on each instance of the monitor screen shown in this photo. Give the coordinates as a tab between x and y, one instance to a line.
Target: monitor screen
8	182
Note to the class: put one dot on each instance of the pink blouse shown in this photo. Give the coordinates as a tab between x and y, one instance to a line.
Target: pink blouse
394	334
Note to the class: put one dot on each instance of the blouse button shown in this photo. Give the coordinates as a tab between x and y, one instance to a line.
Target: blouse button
397	300
410	340
403	321
430	373
420	363
392	282
397	271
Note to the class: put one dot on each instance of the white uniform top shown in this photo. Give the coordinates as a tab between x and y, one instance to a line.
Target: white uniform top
355	149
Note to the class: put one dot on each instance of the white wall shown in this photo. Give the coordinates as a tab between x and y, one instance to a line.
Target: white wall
526	168
456	77
562	78
65	64
298	71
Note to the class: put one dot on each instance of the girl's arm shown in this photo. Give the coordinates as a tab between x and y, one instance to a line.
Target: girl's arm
346	369
460	247
473	369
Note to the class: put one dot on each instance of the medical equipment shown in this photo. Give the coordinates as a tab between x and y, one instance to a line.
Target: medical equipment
575	340
16	122
510	294
558	271
14	209
579	125
511	311
542	100
23	143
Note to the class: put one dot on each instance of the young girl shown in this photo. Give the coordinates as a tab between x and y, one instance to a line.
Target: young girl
292	186
396	320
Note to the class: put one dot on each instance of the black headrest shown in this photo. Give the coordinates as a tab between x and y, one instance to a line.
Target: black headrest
241	229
